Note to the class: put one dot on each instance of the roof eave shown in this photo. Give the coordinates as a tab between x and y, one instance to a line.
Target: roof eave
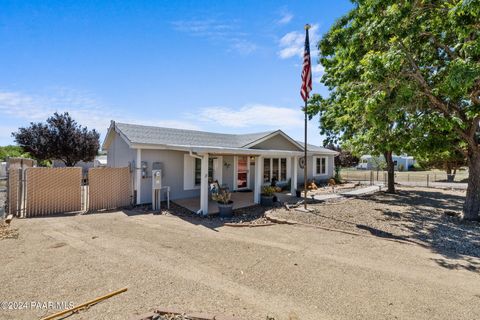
223	150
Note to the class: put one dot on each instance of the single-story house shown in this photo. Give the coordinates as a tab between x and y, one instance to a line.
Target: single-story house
189	160
369	162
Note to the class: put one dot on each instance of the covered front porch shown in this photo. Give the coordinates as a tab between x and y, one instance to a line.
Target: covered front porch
243	172
241	199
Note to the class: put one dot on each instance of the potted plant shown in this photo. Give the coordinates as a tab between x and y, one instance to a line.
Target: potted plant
268	193
298	193
225	205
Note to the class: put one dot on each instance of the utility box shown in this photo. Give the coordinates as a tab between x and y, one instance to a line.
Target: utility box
156	179
144	167
158	166
156	189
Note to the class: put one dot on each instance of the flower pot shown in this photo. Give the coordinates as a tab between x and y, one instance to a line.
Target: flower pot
266	201
225	210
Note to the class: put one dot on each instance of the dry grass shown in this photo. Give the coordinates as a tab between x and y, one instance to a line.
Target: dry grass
7	232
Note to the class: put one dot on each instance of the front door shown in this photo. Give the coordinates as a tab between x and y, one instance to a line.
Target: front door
242	172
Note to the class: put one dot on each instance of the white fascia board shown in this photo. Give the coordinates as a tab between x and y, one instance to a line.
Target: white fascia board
107	140
271	135
216	150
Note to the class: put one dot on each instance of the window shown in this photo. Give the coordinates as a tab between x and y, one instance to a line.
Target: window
266	170
274	168
320	166
210	170
283	169
198	171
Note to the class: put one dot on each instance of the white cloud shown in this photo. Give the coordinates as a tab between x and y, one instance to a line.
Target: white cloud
83	107
285	18
253	115
177	124
243	46
317	72
220	32
206	28
292	44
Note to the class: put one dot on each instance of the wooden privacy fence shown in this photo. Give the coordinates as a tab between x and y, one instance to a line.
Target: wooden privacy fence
109	188
35	192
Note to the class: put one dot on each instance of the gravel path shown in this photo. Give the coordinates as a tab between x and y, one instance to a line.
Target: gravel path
425	216
285	272
253	215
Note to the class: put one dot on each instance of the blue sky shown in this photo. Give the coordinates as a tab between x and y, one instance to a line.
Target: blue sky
222	66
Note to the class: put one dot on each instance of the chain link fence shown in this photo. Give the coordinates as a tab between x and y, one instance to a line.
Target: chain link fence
409	178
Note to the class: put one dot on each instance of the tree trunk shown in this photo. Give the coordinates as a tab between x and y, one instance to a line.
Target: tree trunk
450	177
448	169
471	208
390	172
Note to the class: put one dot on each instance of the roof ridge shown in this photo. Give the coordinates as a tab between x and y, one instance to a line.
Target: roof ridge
191	130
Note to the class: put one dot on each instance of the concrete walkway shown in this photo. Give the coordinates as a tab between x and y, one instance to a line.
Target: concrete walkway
327	196
351	193
361	191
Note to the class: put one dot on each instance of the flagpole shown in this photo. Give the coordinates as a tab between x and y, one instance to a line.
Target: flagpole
307	26
305	157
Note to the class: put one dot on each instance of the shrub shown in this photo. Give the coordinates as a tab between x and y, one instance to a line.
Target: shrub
268	191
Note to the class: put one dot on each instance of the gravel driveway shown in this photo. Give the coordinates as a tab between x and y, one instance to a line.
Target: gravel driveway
286	272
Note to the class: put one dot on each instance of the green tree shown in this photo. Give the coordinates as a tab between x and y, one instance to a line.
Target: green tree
12	151
423	54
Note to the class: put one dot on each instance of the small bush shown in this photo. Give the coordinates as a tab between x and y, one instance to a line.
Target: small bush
268	191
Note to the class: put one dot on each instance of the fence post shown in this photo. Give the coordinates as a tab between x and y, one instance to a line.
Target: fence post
408	177
428	178
20	193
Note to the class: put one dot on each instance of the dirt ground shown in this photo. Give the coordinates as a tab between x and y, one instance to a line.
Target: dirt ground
422	215
286	272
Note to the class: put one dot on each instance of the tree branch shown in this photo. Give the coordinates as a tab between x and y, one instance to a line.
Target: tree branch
451	54
436	102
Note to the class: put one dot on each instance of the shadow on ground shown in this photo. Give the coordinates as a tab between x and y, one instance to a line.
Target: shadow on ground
254	214
433	218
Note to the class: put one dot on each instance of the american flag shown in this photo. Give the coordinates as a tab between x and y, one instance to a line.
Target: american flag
307	69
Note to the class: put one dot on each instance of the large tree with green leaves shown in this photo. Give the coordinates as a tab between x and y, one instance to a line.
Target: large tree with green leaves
426	54
60	138
13	152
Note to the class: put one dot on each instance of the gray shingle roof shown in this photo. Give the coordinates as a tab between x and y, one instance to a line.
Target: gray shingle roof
158	135
168	136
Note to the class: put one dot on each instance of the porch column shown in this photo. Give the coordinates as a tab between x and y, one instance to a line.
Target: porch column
258	178
138	180
204	185
294	175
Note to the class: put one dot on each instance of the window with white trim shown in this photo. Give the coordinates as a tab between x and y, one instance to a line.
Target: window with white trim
266	170
320	166
274	168
198	170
